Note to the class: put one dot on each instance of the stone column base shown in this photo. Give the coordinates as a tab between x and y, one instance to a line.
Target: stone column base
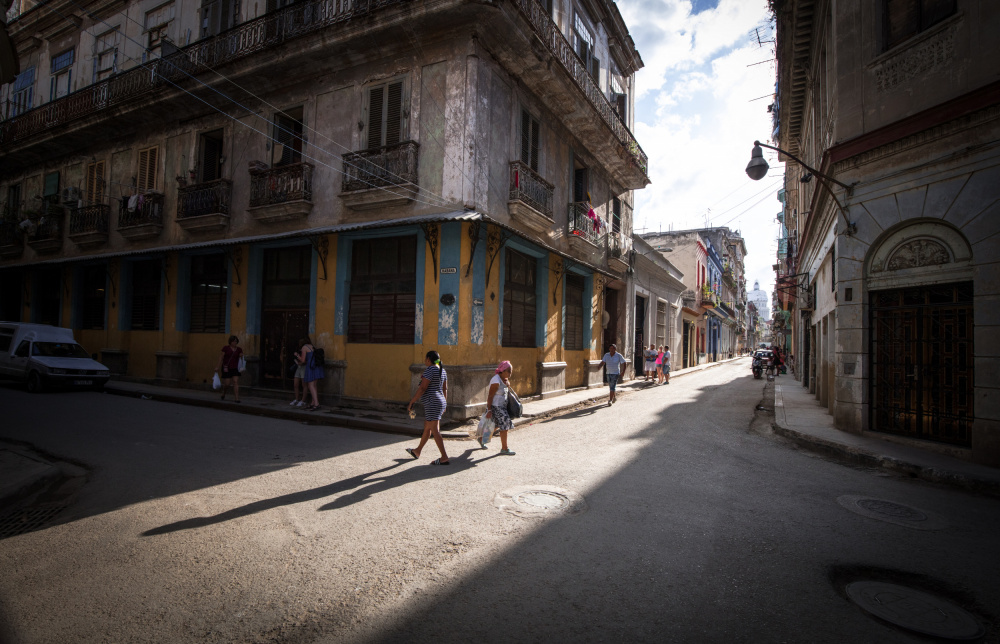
595	373
116	360
551	379
467	389
171	366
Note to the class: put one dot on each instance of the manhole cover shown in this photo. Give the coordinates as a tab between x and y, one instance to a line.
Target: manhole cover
915	610
539	501
891	512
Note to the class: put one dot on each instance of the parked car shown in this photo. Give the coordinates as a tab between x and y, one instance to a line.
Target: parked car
45	356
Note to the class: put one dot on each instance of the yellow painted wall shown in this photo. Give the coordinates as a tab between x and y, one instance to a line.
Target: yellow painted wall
380	371
203	351
553	351
171	339
525	376
326	293
142	348
576	375
114	338
92	340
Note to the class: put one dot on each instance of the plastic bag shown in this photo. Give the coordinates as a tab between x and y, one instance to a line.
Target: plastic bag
216	381
242	364
484	431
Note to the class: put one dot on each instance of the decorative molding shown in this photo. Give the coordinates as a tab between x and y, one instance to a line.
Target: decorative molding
929	54
321	243
431	235
949	128
474	229
917	253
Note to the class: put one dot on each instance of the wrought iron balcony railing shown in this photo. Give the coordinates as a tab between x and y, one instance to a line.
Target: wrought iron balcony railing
10	234
617	248
280	185
147	210
46	225
252	36
392	165
528	187
92	218
538	16
580	225
208	198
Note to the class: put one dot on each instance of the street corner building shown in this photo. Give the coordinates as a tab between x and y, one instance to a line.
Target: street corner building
384	177
889	260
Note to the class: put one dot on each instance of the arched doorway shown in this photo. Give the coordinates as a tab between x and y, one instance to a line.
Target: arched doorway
919	282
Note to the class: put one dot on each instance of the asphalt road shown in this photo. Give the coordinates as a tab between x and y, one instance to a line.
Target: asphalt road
696	525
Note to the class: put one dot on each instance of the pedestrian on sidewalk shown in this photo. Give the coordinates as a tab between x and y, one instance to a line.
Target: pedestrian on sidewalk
613	362
665	364
650	361
229	367
496	398
433	395
659	365
298	380
314	371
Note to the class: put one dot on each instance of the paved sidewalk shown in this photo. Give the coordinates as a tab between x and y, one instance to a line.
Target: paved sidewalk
391	421
800	417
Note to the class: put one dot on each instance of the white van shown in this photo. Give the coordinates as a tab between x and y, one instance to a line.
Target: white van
46	356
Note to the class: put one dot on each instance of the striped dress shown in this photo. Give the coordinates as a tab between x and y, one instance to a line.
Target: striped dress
433	399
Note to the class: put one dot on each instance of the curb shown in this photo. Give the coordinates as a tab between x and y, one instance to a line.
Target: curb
328	419
859	456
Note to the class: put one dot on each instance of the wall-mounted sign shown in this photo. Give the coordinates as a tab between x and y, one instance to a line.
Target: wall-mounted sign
449	271
477	302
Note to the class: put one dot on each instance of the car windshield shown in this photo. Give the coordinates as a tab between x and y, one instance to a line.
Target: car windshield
58	350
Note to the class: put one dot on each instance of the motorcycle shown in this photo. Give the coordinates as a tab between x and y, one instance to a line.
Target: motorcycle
757	367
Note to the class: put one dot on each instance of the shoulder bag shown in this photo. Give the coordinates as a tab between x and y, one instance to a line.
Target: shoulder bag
514	407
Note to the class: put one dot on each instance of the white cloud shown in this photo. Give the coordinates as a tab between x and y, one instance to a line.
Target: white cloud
697	119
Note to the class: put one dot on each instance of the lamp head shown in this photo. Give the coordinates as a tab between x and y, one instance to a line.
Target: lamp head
757	167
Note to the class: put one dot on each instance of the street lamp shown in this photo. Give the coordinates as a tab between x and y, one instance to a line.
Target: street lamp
758	167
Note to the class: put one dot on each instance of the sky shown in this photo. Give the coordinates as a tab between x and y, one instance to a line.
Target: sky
701	101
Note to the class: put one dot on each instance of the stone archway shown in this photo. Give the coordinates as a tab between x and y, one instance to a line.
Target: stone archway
919	283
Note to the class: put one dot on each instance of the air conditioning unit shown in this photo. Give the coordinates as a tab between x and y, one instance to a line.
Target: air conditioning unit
70	196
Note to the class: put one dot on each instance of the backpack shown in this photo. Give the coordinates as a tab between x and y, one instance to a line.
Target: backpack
318	358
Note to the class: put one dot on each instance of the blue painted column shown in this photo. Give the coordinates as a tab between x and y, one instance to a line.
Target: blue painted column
449	282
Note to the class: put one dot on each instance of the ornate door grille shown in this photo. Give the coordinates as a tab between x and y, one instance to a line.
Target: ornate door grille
922	362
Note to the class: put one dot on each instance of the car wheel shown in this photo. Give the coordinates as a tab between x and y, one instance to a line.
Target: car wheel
34	383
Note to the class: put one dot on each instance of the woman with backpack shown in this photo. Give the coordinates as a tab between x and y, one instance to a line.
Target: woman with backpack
314	361
497	401
432	394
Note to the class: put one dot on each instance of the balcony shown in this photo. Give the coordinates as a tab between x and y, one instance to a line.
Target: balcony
381	177
45	231
88	225
584	233
617	252
530	199
204	207
159	76
144	220
627	161
11	239
282	193
709	297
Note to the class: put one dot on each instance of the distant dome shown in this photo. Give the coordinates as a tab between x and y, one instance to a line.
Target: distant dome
756	285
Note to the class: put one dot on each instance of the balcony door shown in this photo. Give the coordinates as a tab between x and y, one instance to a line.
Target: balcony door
284	311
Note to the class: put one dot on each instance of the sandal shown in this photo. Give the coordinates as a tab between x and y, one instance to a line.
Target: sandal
507	452
412	452
312	407
438	461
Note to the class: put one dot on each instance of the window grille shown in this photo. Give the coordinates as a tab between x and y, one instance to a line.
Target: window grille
383	291
209	293
574	313
146	277
519	300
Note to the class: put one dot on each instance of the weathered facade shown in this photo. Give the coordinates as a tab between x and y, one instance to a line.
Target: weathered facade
893	265
656	288
386	177
714	323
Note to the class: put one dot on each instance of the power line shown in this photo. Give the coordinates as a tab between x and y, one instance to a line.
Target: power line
443	206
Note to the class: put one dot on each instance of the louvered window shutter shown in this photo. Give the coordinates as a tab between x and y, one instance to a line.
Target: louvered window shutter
95	182
376	98
534	145
394	114
151	168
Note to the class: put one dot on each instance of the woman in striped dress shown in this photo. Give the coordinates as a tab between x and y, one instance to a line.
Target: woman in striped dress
432	393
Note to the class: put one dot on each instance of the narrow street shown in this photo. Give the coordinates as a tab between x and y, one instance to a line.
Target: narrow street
688	521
